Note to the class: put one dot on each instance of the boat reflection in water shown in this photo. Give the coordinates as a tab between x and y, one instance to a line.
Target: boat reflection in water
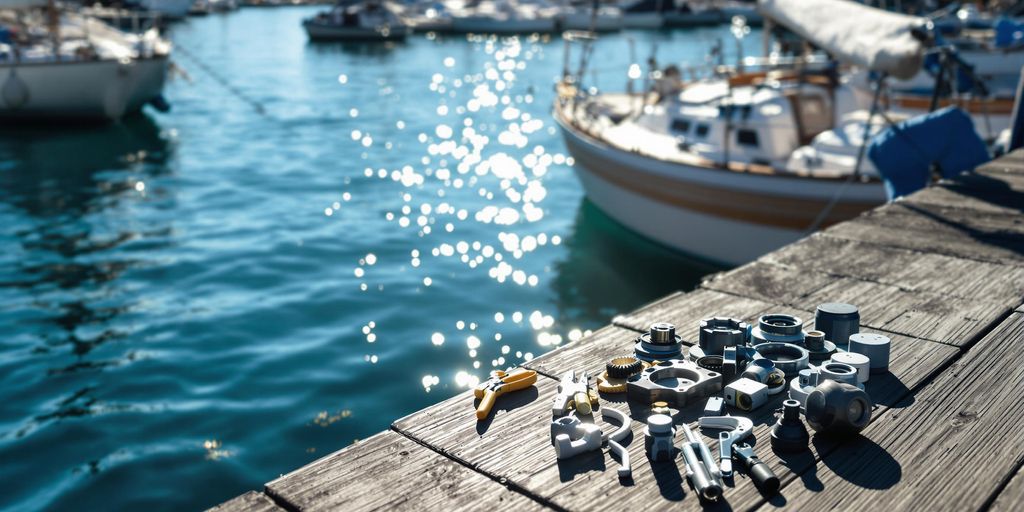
609	269
71	184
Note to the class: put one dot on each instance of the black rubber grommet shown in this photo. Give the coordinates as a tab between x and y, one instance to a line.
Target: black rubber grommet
623	367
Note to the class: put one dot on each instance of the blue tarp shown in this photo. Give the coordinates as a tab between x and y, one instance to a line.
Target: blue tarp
1009	33
904	153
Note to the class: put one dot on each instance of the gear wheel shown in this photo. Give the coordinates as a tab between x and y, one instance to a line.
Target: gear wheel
623	367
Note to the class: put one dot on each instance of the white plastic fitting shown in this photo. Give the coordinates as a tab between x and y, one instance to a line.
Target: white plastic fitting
625	469
589	440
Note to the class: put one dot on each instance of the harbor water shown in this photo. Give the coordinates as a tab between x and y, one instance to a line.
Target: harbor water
316	240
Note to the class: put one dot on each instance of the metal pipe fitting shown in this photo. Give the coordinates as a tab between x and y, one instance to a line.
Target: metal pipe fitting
875	346
659	343
817	346
778	327
858	361
839	372
838	408
838	321
759	370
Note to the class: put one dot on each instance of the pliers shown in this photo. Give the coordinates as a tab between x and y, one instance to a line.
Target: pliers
500	383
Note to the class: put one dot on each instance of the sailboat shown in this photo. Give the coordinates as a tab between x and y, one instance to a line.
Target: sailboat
731	167
57	64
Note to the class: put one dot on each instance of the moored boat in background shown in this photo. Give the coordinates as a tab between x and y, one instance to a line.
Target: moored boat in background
61	65
367	21
731	167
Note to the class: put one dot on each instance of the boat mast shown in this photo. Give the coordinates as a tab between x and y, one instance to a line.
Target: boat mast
53	24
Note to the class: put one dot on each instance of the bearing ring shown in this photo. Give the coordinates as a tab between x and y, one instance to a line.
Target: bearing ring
787	357
778	327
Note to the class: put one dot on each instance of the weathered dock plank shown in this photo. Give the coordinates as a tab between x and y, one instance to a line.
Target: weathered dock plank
1012	496
905	269
949	446
949	231
252	501
391	472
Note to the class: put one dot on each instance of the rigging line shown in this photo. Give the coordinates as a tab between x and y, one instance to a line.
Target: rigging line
823	214
217	77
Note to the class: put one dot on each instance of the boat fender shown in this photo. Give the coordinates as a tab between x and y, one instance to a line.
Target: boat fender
160	103
15	92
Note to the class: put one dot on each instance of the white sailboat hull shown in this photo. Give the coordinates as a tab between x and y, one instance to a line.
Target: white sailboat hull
85	90
711	213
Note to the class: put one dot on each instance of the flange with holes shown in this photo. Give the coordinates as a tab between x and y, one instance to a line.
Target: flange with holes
677	382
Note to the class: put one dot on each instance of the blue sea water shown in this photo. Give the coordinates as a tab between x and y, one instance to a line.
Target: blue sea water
316	240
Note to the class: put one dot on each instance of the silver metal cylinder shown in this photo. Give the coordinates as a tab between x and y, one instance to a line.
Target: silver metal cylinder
838	321
875	346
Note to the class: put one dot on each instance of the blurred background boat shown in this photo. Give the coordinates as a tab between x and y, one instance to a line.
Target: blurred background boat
366	21
58	64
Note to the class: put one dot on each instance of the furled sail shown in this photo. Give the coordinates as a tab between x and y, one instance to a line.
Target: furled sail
853	33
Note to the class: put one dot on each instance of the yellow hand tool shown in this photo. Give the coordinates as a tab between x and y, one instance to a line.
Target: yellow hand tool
500	383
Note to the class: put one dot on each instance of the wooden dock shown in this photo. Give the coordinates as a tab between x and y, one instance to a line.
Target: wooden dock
940	272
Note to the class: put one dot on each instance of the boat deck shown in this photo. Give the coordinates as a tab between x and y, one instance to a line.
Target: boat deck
941	273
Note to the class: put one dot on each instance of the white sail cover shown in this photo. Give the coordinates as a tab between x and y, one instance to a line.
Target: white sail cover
853	33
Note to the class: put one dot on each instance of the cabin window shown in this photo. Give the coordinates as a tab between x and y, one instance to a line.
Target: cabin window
746	137
702	130
680	125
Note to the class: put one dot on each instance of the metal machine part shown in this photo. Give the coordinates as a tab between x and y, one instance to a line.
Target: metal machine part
760	473
746	394
838	321
778	327
701	469
573	391
659	343
714	407
875	346
858	361
759	370
818	347
730	364
736	429
677	382
716	333
776	382
787	357
658	437
802	385
838	372
837	408
789	433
